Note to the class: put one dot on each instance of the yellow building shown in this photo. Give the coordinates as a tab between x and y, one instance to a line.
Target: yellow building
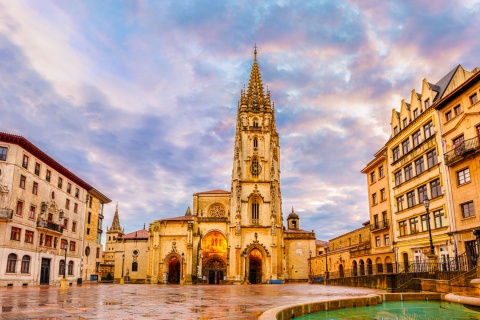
381	241
234	236
459	115
416	172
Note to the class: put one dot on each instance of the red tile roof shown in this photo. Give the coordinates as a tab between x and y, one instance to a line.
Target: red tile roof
140	234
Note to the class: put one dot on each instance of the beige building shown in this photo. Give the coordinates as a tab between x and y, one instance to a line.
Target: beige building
234	236
459	116
42	216
381	251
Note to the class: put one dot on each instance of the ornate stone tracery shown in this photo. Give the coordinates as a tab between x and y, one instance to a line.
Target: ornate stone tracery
217	211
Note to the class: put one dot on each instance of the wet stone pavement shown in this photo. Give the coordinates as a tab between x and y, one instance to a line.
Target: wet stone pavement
143	301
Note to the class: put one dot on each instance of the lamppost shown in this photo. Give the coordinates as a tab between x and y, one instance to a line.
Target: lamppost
426	203
310	266
122	279
63	282
326	263
181	270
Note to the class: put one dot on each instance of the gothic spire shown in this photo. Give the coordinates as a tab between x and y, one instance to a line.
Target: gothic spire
255	92
116	221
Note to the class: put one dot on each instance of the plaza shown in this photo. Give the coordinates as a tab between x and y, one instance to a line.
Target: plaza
135	301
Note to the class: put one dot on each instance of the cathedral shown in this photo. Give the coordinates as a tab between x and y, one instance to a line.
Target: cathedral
235	236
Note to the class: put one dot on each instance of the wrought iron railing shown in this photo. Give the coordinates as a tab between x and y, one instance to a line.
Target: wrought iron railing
461	150
49	225
6	214
378	225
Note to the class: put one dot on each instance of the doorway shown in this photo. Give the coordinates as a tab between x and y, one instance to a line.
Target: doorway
471	251
255	267
45	272
174	271
215	266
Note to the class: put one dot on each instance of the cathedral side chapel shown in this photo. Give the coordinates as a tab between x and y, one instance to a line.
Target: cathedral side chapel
234	236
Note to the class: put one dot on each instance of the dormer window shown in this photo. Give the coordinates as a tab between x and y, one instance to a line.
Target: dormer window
427	104
405	122
415	114
395	130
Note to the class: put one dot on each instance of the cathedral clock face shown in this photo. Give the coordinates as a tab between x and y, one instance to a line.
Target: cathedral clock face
255	168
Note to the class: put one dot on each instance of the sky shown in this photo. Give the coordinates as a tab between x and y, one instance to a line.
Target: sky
139	98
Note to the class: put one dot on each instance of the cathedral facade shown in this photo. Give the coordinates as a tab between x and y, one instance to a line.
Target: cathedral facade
234	236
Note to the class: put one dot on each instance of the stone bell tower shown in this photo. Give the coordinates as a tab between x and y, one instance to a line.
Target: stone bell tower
255	200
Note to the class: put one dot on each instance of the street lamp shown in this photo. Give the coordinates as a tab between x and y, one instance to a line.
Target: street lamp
310	265
181	271
65	247
426	203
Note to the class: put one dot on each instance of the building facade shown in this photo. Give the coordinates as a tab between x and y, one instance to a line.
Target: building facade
42	216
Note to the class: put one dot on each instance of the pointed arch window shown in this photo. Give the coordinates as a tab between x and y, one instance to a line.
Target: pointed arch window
255	142
255	167
255	210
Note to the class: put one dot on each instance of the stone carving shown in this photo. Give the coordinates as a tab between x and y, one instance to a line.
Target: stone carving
217	211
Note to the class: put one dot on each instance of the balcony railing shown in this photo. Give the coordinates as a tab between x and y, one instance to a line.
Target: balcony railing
379	225
50	226
6	214
461	150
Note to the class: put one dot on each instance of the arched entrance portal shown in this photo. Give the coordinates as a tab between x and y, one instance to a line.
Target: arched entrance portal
214	254
255	266
174	270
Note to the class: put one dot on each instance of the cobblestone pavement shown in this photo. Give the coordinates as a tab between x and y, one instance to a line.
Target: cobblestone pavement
137	301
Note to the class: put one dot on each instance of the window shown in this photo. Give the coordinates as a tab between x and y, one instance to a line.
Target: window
415	114
402	226
91	199
98	253
63	242
395	130
448	115
435	189
463	176
67	204
48	175
11	263
416	138
37	168
75	207
255	142
381	172
457	110
424	219
459	145
478	131
31	214
400	203
25	267
375	221
25	161
427	104
15	234
414	225
439	217
411	199
377	241
3	153
405	123
255	211
372	177
398	178
48	241
23	180
408	172
77	192
65	223
61	268
19	208
74	226
422	192
374	199
88	231
70	268
419	166
383	195
473	98
406	146
396	153
134	266
60	182
428	130
35	188
386	239
467	209
432	158
89	217
72	246
29	236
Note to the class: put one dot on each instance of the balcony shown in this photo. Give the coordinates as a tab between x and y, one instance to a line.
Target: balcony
379	225
462	150
6	214
50	226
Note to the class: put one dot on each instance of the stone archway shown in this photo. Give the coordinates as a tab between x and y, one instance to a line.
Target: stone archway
174	270
255	266
214	269
214	261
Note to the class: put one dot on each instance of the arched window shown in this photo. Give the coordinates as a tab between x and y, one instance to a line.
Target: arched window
255	142
255	168
255	123
134	266
25	264
11	263
70	268
61	268
255	210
